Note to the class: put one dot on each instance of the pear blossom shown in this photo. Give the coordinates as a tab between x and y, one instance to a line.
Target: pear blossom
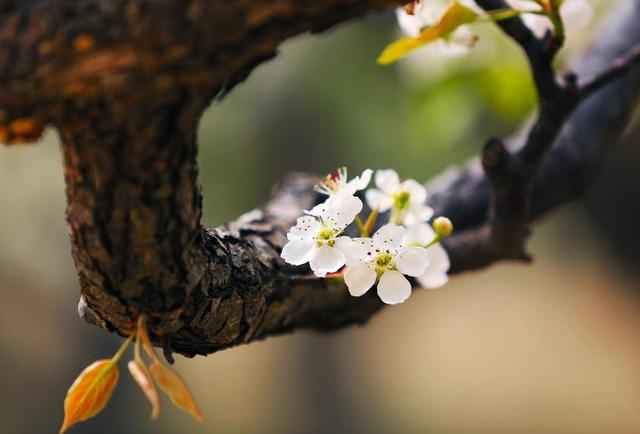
435	275
427	13
384	259
406	198
575	14
337	183
316	237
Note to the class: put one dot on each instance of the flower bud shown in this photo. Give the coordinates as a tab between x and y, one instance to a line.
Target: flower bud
443	227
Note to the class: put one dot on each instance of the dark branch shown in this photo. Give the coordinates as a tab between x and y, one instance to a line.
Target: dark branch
570	164
540	52
512	175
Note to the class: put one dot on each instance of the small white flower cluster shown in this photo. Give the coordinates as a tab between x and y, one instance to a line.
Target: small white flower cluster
407	245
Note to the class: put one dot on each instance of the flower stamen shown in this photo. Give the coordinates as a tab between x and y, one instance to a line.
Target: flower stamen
333	182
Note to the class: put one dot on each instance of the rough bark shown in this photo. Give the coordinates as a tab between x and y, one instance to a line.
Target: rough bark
56	51
125	83
134	213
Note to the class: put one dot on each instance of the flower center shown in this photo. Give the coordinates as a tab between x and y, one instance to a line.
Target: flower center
401	200
384	261
326	236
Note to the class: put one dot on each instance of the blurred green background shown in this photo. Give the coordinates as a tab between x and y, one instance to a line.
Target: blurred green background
551	348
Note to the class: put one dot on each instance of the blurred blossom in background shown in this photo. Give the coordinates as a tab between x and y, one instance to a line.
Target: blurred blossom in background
550	348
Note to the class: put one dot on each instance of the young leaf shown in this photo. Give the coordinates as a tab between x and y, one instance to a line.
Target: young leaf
455	16
141	375
171	384
144	337
90	392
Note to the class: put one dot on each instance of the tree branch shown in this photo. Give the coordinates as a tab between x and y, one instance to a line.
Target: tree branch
127	102
549	171
54	52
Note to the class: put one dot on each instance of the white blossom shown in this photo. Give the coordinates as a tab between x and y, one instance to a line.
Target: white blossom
385	259
406	198
337	183
316	237
575	14
427	13
435	275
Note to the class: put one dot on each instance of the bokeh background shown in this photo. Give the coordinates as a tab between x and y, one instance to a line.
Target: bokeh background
549	348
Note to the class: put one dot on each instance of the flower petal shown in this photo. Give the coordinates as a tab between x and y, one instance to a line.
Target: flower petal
355	250
319	209
359	279
438	258
436	274
576	13
418	213
393	287
378	200
538	24
341	210
388	181
409	24
432	279
347	207
412	261
419	234
297	252
389	237
326	259
417	192
361	182
306	226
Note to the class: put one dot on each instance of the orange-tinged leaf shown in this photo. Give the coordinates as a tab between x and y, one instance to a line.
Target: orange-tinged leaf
90	392
171	384
144	336
141	375
455	16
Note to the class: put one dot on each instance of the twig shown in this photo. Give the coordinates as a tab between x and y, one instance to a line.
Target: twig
511	175
167	352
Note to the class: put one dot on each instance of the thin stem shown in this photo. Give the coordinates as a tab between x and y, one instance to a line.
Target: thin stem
504	14
136	350
118	355
144	337
435	240
338	278
558	24
370	223
360	226
396	215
